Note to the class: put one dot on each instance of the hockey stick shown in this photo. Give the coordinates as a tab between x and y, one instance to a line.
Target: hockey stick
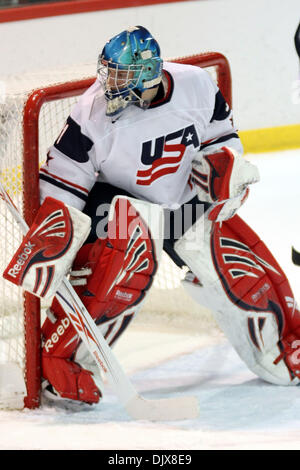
167	409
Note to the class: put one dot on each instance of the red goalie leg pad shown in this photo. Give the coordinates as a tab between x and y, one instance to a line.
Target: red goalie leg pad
60	338
122	270
70	380
252	279
122	267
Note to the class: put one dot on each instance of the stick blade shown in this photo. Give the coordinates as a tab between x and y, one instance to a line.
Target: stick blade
164	409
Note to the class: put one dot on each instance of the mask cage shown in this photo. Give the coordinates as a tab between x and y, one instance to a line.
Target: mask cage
123	78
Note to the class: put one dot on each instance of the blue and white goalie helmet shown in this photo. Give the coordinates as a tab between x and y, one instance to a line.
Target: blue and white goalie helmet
129	64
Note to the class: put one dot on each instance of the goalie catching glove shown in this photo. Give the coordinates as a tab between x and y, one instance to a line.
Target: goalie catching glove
222	178
49	248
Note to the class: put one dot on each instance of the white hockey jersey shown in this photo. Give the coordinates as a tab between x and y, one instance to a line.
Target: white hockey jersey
149	152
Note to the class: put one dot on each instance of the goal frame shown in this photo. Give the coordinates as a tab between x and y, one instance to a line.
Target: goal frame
30	170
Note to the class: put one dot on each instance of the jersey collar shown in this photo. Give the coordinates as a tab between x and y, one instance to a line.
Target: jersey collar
162	98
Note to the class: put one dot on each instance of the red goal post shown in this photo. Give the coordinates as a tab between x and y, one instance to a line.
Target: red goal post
31	162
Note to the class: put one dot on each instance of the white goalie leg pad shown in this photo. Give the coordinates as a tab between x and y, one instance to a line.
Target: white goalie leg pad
254	333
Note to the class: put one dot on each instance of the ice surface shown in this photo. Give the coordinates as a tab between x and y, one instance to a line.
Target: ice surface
237	410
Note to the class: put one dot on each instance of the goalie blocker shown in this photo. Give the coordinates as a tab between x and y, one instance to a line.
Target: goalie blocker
111	276
48	249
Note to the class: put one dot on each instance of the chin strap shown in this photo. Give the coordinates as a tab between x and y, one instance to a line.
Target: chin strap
116	106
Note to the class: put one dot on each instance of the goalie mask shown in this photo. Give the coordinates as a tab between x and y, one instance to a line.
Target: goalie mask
129	64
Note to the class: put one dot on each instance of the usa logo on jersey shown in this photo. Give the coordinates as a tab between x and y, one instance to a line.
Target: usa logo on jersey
163	155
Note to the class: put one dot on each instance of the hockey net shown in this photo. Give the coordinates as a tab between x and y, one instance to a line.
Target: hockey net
32	113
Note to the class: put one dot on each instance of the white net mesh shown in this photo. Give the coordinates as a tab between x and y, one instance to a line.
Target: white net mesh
167	298
11	306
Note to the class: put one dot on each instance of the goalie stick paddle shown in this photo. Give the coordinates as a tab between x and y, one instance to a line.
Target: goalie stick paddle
295	256
137	407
